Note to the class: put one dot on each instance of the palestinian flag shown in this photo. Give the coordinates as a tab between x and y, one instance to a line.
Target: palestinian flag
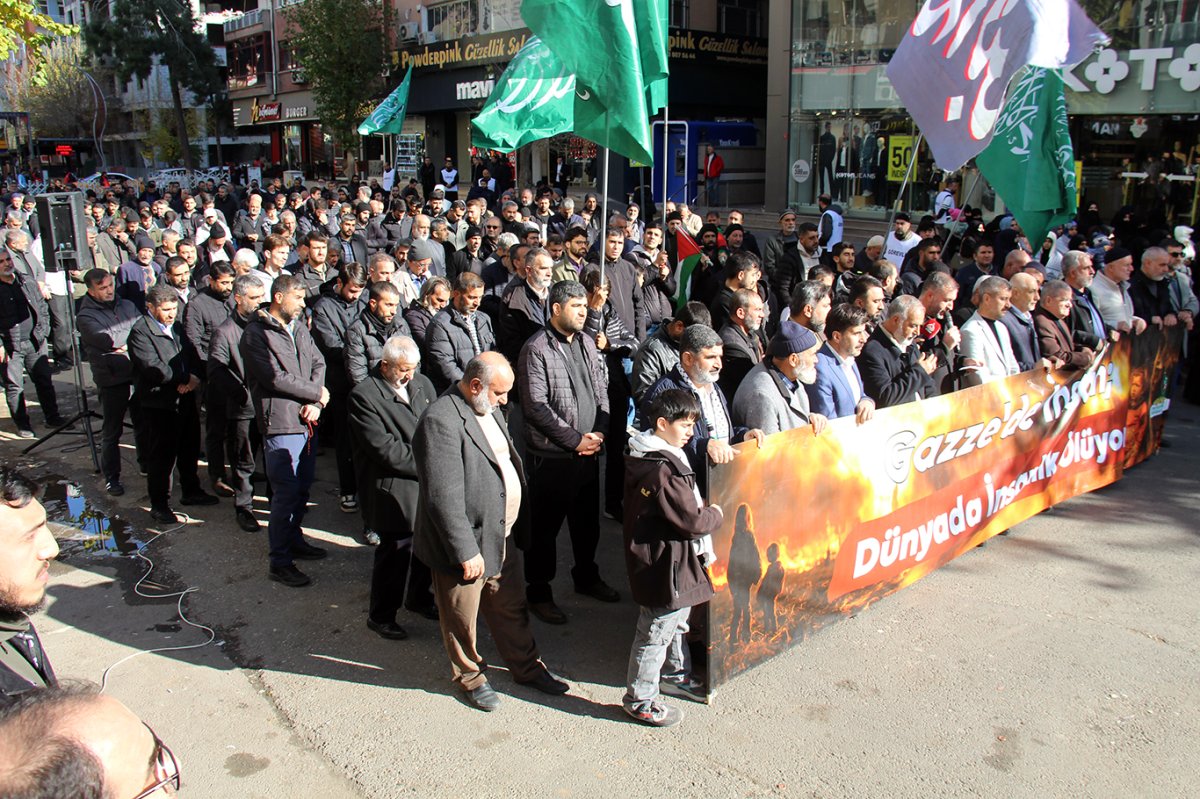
687	255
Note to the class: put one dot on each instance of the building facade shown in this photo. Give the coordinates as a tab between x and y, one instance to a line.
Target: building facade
836	125
457	49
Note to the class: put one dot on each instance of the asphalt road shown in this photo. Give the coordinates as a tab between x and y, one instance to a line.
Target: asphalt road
1060	660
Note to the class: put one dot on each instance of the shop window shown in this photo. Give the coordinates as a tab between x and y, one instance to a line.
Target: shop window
741	17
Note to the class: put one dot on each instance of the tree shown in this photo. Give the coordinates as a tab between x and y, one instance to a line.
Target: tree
137	35
57	95
21	23
340	47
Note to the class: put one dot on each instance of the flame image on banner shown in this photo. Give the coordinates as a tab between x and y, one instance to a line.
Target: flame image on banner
819	527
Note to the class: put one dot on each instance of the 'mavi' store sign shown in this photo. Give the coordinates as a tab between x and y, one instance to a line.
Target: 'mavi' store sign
473	89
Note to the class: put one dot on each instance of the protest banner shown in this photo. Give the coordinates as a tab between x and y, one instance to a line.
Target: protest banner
820	527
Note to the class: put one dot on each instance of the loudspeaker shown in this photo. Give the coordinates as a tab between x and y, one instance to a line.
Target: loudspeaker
63	227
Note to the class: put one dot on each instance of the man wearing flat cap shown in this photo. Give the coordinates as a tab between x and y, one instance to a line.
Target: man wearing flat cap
772	397
1110	292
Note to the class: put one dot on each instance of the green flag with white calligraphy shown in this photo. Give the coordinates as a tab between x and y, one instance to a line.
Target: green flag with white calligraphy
533	99
1030	161
598	42
389	116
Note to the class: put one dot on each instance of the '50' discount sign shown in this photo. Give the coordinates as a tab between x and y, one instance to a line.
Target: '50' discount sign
900	153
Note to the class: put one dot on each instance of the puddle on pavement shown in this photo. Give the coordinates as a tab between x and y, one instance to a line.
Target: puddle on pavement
94	533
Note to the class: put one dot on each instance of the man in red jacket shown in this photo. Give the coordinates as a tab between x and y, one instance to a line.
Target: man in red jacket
714	165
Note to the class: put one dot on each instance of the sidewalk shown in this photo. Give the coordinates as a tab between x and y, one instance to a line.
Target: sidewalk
1059	660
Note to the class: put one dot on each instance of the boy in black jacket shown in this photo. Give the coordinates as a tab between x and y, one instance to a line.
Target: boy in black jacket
667	551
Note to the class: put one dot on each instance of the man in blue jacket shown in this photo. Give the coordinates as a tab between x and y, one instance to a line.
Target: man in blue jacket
838	390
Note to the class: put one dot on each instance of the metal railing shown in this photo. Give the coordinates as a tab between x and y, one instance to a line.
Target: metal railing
247	20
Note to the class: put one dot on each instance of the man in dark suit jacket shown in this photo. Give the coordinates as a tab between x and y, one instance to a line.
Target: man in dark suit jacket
470	513
383	412
1085	323
28	547
163	385
893	370
1019	321
227	379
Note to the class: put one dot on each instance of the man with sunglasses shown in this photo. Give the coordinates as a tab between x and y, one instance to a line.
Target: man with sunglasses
67	742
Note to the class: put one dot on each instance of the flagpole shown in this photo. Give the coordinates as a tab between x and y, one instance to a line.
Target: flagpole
604	214
958	223
907	174
666	159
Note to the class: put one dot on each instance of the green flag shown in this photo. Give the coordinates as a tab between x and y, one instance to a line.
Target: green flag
652	17
389	116
533	99
597	41
1030	162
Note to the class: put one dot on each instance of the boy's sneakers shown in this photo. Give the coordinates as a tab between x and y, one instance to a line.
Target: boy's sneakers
656	714
691	688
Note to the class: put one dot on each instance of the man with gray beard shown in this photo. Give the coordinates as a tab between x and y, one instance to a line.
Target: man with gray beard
471	511
698	370
772	397
893	370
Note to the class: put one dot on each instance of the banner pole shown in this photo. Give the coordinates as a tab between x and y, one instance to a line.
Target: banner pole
907	174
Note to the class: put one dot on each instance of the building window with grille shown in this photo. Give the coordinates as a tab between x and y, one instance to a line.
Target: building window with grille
678	16
741	17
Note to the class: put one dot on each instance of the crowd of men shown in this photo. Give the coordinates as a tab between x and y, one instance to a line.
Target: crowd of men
475	368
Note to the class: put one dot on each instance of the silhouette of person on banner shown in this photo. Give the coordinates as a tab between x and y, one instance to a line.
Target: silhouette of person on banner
745	570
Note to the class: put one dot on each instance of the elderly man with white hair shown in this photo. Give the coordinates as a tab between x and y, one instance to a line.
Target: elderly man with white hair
383	414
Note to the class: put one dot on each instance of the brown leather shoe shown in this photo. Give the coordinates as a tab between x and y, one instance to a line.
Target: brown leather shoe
548	612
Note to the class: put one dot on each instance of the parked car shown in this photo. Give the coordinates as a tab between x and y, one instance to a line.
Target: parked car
92	181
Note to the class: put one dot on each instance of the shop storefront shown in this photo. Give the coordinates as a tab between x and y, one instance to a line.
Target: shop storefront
716	76
297	140
1134	112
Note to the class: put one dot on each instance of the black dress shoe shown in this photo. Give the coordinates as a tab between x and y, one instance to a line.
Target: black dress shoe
164	516
289	575
306	551
599	590
484	698
429	611
548	612
246	520
57	421
387	629
547	683
198	498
